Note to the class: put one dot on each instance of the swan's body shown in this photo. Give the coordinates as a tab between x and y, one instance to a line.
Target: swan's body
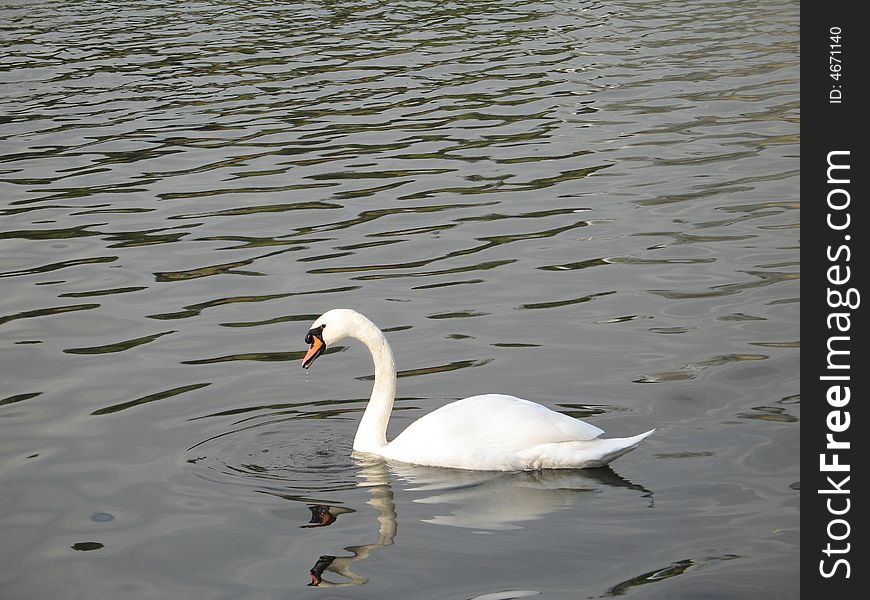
491	432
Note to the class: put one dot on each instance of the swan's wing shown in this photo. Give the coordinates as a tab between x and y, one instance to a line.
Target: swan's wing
492	421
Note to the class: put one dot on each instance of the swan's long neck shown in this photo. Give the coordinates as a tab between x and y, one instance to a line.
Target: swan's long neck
371	435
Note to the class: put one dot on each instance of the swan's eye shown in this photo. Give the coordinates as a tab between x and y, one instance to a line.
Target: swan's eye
317	332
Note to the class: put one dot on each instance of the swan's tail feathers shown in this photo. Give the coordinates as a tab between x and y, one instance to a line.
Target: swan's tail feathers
579	454
613	448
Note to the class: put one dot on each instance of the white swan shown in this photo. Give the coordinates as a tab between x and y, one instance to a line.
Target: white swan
491	432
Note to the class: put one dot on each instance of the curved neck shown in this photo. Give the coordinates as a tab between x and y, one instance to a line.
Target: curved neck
371	435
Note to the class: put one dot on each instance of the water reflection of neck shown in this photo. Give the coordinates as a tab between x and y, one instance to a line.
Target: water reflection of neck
376	478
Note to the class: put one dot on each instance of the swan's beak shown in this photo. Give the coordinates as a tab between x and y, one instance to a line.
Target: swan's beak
316	349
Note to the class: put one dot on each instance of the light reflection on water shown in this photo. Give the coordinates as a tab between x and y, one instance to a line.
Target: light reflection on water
590	205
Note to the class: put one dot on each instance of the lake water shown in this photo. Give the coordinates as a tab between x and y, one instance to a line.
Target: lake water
590	205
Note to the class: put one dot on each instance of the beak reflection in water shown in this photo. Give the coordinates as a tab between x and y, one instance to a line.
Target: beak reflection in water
319	567
323	515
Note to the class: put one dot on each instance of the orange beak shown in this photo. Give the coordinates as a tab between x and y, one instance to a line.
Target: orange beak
317	347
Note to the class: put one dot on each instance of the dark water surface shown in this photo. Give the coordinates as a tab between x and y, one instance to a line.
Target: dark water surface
591	205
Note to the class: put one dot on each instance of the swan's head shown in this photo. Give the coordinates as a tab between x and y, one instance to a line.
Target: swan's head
329	328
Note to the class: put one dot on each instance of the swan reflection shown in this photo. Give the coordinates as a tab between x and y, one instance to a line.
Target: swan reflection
481	500
499	501
376	477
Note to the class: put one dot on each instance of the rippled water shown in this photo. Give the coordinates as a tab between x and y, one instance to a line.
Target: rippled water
591	205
